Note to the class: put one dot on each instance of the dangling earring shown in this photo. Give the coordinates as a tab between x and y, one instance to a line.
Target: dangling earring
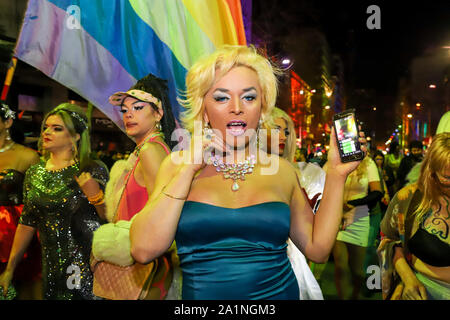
8	136
158	126
207	131
74	149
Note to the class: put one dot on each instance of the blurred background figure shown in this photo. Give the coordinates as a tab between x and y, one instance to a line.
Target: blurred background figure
415	156
362	187
443	126
392	162
282	125
386	178
301	154
377	209
444	123
15	159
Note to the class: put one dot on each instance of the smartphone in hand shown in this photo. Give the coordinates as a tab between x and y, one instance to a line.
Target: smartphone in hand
347	135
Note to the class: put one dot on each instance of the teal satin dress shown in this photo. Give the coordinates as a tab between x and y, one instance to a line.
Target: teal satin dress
235	254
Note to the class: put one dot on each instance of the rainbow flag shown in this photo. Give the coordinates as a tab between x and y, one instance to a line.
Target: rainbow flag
98	47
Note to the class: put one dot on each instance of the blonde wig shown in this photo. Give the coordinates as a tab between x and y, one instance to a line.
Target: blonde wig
291	146
437	159
76	121
205	72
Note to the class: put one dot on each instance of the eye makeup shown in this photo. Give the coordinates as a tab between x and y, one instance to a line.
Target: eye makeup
135	108
220	96
54	128
249	97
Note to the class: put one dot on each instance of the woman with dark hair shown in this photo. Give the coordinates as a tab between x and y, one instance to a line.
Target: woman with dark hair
64	214
156	87
15	159
148	121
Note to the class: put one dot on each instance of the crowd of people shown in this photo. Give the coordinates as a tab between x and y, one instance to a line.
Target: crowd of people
242	213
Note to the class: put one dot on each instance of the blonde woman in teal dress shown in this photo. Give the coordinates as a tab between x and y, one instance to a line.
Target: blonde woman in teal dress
232	215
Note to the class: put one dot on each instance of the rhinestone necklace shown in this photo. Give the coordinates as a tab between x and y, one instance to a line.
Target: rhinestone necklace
233	171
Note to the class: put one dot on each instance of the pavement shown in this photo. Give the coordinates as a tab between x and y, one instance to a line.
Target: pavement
327	284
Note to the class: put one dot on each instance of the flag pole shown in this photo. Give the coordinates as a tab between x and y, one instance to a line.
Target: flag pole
9	77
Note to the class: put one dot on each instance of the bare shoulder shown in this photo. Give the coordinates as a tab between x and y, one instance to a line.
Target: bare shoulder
152	148
281	169
167	170
151	157
27	155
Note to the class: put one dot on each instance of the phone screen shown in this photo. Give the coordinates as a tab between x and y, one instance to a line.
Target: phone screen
347	135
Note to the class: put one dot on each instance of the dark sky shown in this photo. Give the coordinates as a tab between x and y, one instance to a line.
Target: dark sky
374	59
407	29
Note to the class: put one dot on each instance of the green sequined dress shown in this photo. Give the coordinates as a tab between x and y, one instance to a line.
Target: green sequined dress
55	205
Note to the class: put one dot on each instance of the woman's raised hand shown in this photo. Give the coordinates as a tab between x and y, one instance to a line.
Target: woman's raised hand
334	162
201	148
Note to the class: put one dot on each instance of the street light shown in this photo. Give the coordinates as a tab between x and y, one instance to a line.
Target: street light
409	115
432	86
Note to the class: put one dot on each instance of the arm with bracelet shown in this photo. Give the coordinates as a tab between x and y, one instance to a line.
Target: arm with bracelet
92	183
162	212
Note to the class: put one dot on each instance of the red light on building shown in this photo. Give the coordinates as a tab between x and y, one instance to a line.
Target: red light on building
300	104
